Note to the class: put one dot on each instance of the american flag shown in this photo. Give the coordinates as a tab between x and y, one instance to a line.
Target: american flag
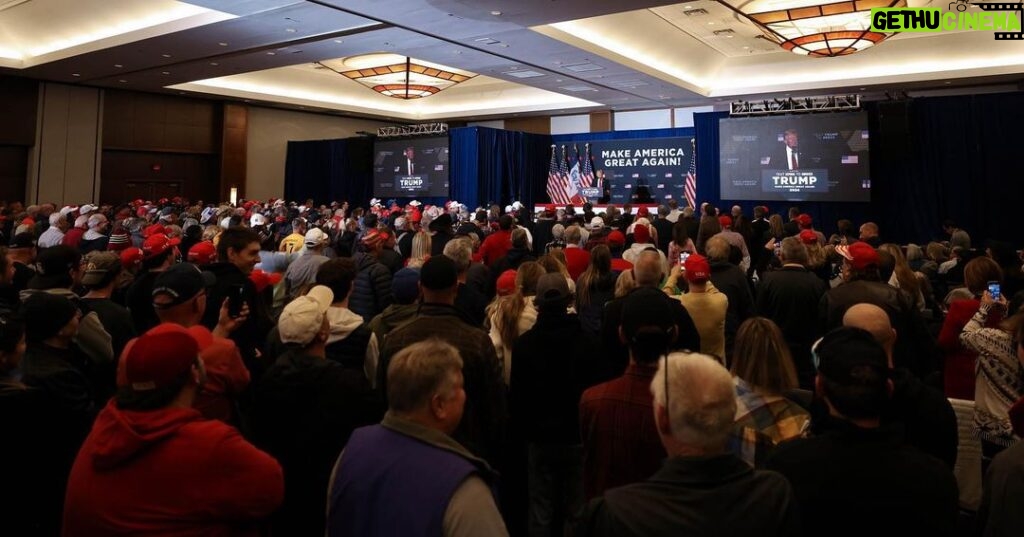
587	175
556	181
690	190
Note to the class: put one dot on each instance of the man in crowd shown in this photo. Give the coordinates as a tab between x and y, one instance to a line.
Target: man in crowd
869	234
238	251
898	489
471	301
55	233
302	271
790	296
369	494
957	236
159	253
648	274
283	420
405	288
734	239
731	280
664	228
294	241
620	440
101	277
926	416
482	427
153	464
372	293
180	297
915	348
496	245
350	341
576	257
702	486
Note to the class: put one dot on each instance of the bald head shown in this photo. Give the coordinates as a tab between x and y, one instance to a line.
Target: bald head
873	319
647	269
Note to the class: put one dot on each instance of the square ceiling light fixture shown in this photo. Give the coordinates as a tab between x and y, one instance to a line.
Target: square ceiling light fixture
815	28
396	76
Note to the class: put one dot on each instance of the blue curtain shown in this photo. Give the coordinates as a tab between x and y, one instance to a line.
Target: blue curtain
328	170
498	166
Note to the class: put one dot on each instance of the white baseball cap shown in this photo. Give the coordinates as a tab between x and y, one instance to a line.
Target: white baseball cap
315	237
86	209
257	219
303	317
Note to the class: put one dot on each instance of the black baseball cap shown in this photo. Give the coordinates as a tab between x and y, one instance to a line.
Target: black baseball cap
843	351
24	239
181	283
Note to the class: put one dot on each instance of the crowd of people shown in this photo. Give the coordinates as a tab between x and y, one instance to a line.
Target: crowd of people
286	368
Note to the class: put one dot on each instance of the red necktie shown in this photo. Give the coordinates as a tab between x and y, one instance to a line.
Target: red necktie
792	161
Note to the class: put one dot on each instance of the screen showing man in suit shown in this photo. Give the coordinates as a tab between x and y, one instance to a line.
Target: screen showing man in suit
814	157
411	167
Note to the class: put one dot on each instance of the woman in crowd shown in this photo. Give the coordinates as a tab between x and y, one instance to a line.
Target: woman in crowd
594	288
511	315
763	372
915	257
817	261
624	283
1000	373
959	362
903	277
555	262
680	242
709	226
421	245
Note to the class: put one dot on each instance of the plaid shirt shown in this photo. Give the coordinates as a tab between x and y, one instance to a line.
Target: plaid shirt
620	440
763	422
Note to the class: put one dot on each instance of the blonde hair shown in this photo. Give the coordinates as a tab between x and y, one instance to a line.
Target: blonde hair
624	283
762	358
904	275
421	244
504	311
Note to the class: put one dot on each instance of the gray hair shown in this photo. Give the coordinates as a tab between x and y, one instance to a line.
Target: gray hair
460	250
794	251
701	399
573	235
419	372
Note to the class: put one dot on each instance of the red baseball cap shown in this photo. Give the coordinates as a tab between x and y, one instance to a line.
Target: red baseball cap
697	268
202	253
507	283
158	244
641	234
155	229
859	255
808	237
804	219
162	355
725	220
131	257
642	212
616	237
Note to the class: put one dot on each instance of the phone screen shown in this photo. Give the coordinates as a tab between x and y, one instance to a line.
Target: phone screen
683	256
994	290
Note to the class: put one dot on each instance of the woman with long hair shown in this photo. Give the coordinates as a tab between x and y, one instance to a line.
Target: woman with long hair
1000	372
510	315
958	362
680	242
421	246
594	288
763	372
624	283
555	262
903	277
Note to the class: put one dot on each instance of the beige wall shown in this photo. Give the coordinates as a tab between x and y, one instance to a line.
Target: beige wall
64	164
270	130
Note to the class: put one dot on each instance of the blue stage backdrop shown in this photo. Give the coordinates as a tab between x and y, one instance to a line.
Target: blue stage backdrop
931	158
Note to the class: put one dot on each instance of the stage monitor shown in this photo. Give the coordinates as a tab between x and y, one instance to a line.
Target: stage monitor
410	168
813	157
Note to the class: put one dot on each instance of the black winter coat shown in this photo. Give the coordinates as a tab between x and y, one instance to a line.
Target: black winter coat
372	292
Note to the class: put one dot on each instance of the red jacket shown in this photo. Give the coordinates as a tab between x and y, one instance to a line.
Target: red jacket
495	246
957	361
169	472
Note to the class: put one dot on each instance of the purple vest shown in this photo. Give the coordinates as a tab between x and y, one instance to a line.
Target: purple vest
390	484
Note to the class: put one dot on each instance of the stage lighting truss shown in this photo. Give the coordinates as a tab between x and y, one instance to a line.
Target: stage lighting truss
412	130
764	107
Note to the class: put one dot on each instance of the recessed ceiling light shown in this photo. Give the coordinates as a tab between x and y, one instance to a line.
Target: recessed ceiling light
711	23
290	30
338	41
122	81
214	64
746	48
223	44
687	7
496	13
76	74
503	45
862	89
271	53
118	65
166	73
166	55
948	82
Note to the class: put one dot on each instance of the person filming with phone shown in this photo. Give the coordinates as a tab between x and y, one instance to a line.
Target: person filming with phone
238	252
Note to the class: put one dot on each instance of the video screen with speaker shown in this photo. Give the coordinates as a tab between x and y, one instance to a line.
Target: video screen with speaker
412	167
813	157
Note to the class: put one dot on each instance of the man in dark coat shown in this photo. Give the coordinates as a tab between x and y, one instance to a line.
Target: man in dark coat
372	293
